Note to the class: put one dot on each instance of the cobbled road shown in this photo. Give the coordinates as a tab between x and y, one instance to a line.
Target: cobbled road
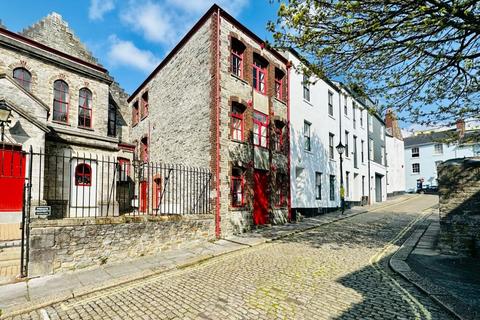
337	271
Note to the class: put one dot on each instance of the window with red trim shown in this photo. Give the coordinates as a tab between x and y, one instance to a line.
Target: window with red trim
260	129
238	49
279	136
281	190
85	108
144	149
123	169
60	101
23	77
279	75
237	188
259	74
144	104
83	175
135	113
237	129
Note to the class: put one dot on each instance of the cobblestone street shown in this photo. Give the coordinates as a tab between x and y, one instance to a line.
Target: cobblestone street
339	271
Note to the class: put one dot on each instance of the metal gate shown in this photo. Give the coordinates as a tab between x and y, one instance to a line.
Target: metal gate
25	225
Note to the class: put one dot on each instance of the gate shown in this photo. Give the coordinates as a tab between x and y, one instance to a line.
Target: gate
25	224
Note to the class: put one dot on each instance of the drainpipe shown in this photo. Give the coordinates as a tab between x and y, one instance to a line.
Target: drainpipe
289	214
217	107
342	203
368	157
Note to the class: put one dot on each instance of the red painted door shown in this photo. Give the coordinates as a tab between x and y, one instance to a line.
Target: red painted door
260	197
12	179
143	196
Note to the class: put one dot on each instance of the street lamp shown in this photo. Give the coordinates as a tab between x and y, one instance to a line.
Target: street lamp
341	149
5	113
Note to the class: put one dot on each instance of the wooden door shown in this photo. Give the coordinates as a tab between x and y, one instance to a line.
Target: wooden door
12	179
260	198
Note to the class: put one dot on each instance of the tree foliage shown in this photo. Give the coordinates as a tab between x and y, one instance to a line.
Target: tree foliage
421	57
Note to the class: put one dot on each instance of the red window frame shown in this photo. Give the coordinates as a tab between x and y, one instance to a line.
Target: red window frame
237	62
237	118
279	89
61	99
145	104
86	108
123	169
280	192
23	78
279	139
81	175
257	132
237	180
258	71
144	149
135	113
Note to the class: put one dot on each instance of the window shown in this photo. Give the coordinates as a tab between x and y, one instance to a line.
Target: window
237	188
347	184
363	185
362	150
306	88
135	113
123	169
279	136
279	75
144	100
331	146
382	132
318	185
83	175
345	107
415	152
332	188
415	167
259	74
85	108
144	149
260	129
347	154
237	57
370	123
281	191
60	101
23	77
370	150
237	121
355	152
438	148
361	118
383	156
112	120
354	110
330	103
306	136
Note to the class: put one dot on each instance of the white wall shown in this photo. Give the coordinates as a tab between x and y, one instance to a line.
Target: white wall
395	165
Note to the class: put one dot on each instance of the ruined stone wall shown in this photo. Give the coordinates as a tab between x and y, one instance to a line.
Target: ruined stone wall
459	190
58	246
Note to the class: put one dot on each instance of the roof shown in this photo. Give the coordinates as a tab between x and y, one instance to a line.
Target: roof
192	31
441	137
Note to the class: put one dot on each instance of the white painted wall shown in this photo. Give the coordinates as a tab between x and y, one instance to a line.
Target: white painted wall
395	164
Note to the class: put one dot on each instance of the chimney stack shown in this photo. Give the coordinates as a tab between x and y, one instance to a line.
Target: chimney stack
460	127
391	123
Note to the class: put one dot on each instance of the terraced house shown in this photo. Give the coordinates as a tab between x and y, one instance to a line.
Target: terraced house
218	101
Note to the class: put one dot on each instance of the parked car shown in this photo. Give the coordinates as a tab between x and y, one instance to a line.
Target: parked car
428	190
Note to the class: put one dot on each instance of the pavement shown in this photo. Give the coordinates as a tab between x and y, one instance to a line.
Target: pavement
452	281
327	267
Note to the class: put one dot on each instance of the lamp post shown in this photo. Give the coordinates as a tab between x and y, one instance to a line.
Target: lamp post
340	149
5	113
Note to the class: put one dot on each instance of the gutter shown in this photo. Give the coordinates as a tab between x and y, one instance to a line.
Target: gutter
217	141
289	214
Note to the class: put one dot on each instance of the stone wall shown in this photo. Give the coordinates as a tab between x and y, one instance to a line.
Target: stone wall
459	190
58	246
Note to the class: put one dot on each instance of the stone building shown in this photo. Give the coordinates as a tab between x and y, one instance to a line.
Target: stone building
68	109
219	100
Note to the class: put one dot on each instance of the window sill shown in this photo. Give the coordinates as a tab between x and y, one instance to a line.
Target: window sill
239	208
144	117
308	151
260	92
238	141
308	102
280	100
332	160
238	78
86	128
280	207
332	117
62	123
415	174
261	147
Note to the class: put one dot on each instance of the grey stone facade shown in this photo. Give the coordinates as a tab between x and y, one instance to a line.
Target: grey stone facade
459	190
72	244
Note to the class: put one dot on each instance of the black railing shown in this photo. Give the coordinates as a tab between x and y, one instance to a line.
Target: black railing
76	186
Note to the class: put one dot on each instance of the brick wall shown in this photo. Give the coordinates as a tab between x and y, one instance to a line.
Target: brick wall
459	189
58	246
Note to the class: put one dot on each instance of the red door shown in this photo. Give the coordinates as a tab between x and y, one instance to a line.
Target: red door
12	179
143	196
260	197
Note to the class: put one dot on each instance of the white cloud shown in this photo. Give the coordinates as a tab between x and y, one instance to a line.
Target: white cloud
125	53
234	7
99	7
152	20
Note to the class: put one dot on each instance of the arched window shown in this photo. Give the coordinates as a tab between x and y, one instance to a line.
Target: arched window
85	108
112	121
60	101
83	175
23	77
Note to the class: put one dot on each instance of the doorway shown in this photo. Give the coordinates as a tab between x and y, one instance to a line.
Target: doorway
378	187
260	197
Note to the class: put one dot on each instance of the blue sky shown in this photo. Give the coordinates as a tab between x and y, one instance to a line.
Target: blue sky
130	37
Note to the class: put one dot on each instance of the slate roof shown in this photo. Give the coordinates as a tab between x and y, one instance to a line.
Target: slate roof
441	137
